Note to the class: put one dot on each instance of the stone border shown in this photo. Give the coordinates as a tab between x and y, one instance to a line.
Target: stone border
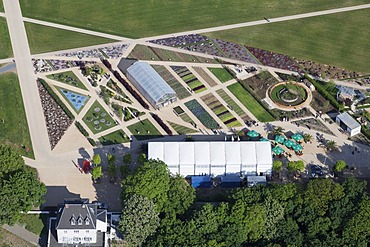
290	108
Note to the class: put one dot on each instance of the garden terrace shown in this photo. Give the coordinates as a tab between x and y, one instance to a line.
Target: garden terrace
220	110
250	103
180	129
222	74
326	71
234	51
57	121
193	83
205	76
69	78
260	83
97	119
275	60
233	105
181	92
181	113
108	94
13	121
144	130
115	137
202	114
289	94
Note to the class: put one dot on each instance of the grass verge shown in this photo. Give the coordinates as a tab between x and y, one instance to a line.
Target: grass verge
5	44
34	223
115	137
144	130
222	74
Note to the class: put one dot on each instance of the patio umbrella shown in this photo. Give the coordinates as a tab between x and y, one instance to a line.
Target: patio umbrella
278	150
263	139
279	139
297	147
289	143
252	133
297	137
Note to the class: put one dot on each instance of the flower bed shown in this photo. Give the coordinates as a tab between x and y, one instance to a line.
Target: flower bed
97	119
275	60
233	105
205	76
201	114
69	78
260	83
194	84
235	51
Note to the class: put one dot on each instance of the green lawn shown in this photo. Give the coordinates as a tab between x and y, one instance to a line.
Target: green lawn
144	130
222	74
135	18
5	44
69	78
14	130
46	39
338	39
1	6
115	137
34	223
248	101
180	129
93	115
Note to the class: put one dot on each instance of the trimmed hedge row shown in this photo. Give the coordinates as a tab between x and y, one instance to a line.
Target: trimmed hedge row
162	124
81	129
56	98
333	101
107	64
250	91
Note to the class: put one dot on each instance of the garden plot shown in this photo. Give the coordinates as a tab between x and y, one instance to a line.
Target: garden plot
144	130
97	119
181	113
167	55
68	78
233	105
114	86
142	52
193	83
180	129
234	51
260	83
205	76
222	74
181	92
220	110
115	137
75	100
202	114
127	113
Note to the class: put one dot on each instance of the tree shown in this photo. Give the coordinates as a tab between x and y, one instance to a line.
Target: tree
307	137
96	172
124	170
139	219
294	166
151	180
127	159
111	159
180	195
96	159
141	158
331	146
277	130
277	165
274	213
340	165
112	170
20	190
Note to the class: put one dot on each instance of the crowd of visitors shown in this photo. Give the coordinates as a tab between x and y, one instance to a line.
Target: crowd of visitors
57	121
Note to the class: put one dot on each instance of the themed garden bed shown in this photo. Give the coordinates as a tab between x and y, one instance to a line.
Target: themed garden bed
182	114
315	124
234	51
193	83
69	78
205	76
288	94
180	129
75	100
260	83
97	119
233	105
202	114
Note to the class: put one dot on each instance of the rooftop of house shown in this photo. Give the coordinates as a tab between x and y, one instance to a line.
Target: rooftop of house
77	216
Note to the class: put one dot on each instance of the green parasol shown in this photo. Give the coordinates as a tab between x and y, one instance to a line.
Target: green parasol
297	147
297	137
252	133
278	150
263	139
279	139
289	143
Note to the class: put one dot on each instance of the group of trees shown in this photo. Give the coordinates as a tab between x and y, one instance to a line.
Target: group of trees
20	189
320	213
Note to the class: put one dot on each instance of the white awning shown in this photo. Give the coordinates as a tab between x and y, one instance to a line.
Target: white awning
232	153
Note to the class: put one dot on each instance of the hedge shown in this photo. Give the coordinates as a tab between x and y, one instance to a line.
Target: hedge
56	98
92	141
162	124
107	64
333	101
81	129
365	131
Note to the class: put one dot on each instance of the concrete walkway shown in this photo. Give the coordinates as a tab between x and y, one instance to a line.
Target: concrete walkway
23	233
7	68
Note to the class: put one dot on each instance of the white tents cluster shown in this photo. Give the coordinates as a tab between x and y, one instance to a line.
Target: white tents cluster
213	158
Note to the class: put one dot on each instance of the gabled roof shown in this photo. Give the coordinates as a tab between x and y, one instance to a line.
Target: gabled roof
150	80
77	213
349	121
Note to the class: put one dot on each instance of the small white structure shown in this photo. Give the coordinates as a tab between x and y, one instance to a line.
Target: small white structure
348	124
255	180
213	158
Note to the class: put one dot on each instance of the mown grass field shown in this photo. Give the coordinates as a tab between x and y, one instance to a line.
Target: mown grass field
339	39
137	18
46	39
144	130
5	44
248	101
13	121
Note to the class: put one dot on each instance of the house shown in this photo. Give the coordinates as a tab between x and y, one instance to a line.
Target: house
345	93
214	158
348	124
79	223
148	82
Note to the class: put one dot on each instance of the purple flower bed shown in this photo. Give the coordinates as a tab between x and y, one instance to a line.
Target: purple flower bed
181	40
235	51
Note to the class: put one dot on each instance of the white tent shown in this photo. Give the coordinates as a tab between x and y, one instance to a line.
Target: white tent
216	158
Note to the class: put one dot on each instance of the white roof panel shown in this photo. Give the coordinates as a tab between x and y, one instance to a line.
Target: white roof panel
187	153
174	169
218	170
171	153
202	169
156	150
263	151
217	153
248	153
232	152
187	170
202	153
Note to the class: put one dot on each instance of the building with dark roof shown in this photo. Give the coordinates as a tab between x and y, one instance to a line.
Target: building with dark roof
79	223
148	82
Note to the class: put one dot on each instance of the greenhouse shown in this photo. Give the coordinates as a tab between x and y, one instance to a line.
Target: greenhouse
150	84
